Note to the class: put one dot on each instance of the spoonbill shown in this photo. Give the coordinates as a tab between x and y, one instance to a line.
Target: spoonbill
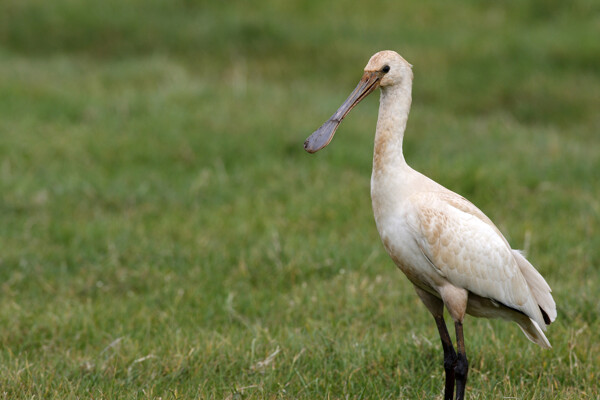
450	251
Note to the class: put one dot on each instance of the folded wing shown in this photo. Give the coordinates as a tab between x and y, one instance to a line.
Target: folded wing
467	249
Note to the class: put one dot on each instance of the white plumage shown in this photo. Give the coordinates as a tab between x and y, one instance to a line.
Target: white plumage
453	254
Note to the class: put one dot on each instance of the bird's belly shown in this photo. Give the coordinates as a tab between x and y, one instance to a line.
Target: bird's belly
399	242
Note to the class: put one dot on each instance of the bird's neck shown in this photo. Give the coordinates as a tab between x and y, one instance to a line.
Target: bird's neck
394	106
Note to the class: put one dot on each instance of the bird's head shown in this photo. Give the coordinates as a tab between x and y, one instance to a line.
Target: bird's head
389	68
384	69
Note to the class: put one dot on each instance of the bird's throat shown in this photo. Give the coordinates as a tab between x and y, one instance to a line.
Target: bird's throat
394	106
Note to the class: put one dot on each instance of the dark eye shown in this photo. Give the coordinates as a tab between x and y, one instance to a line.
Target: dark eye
385	69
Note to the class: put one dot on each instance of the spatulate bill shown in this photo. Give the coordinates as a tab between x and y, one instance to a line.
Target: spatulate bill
322	136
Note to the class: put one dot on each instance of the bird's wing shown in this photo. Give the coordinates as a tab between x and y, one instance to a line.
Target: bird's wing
467	249
459	202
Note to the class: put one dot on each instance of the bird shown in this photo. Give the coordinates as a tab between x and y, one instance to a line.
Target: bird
452	253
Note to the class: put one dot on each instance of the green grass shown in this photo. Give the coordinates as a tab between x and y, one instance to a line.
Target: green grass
164	235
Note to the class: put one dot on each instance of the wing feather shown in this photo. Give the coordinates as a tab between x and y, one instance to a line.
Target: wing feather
468	250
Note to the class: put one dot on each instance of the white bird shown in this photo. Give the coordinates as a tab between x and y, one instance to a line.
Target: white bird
451	252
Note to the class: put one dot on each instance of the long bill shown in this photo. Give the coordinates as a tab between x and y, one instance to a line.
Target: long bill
322	136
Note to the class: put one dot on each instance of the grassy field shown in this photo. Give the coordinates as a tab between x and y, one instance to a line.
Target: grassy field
164	235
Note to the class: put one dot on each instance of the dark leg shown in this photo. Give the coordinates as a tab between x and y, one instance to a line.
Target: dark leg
462	366
449	357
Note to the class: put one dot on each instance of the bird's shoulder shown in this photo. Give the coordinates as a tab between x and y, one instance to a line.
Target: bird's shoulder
443	204
455	232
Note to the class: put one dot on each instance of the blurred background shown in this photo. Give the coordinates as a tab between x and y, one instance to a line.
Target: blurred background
164	234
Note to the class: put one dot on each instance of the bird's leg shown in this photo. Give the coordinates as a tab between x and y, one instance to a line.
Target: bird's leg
449	357
436	307
462	366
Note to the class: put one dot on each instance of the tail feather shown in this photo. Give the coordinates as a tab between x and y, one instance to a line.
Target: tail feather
539	288
532	330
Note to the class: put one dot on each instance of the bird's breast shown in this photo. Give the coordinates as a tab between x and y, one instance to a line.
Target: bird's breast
396	223
395	229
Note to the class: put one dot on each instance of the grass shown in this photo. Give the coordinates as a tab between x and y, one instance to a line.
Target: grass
164	235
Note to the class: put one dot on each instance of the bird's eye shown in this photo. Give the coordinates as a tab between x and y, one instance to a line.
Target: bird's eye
385	69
